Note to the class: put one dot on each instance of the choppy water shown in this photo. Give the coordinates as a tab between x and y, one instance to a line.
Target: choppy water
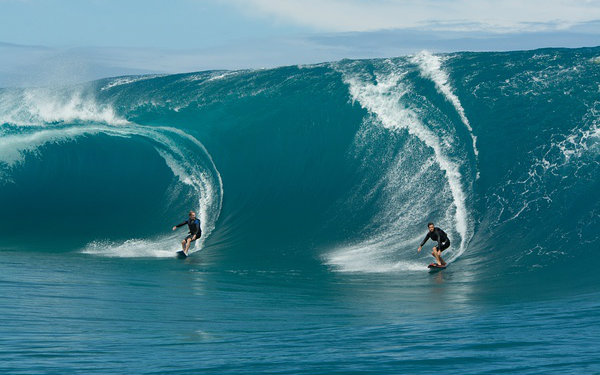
314	185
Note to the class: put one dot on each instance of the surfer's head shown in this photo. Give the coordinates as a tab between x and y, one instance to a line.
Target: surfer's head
192	215
431	227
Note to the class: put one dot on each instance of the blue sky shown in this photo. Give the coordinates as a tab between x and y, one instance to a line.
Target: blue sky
130	23
85	39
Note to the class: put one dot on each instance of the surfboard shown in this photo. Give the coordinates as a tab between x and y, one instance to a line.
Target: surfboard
433	267
181	255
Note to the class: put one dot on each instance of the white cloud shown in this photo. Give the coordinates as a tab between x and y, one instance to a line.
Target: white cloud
463	15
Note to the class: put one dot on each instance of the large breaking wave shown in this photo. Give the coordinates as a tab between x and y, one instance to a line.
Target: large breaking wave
343	163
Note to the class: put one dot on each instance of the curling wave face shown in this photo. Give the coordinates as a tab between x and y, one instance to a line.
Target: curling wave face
46	123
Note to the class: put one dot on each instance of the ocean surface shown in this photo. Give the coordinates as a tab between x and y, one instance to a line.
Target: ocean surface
314	185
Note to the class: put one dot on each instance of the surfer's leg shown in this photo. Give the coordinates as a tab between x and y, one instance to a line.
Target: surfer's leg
436	255
183	245
187	245
445	245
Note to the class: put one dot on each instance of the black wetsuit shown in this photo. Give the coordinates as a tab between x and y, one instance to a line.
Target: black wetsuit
440	237
194	226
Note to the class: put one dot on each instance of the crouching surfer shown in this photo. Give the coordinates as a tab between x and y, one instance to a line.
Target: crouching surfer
195	231
438	235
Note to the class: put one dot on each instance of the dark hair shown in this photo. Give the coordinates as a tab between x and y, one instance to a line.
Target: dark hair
428	224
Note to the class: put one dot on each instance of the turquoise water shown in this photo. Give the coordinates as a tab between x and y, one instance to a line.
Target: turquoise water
314	185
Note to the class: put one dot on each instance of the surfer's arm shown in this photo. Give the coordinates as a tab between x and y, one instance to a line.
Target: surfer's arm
179	225
423	243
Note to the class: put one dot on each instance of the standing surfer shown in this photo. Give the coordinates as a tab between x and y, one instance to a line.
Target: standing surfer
436	234
195	231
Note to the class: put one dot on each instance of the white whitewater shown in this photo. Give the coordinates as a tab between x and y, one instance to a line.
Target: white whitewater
383	99
430	67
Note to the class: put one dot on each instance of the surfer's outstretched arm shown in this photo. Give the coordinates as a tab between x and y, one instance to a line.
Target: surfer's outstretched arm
179	225
423	243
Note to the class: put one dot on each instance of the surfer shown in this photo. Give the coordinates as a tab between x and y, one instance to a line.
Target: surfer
195	231
436	234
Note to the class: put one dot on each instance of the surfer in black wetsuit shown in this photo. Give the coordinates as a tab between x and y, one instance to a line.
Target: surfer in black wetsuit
438	235
195	231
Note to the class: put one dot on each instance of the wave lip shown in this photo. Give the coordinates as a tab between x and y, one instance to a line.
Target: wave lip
127	80
45	106
431	67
